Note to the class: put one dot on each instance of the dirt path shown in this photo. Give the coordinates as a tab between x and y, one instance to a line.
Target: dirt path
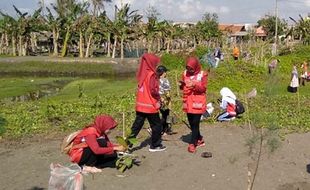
27	166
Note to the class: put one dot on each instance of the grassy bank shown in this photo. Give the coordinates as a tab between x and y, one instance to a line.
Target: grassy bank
47	66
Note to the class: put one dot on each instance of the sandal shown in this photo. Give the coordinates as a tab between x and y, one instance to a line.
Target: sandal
89	169
206	154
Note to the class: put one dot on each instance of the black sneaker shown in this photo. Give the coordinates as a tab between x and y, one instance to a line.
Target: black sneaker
157	148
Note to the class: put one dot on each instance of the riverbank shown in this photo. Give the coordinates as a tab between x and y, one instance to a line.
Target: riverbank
70	67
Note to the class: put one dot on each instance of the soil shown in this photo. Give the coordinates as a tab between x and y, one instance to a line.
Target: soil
25	164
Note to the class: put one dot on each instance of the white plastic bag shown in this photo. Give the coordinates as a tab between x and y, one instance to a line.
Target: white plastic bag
65	178
210	108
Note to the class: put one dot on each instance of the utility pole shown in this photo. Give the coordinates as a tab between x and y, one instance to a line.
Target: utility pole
276	31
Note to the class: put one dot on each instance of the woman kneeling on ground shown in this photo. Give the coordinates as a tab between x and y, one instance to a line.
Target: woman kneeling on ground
228	104
92	147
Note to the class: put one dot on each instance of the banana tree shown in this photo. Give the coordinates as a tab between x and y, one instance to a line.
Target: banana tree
104	28
98	5
302	29
69	12
150	31
81	26
53	23
124	23
26	26
162	30
8	28
22	27
2	35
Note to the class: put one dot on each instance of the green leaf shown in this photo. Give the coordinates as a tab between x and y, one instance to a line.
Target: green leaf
122	168
133	140
120	140
118	161
128	162
128	131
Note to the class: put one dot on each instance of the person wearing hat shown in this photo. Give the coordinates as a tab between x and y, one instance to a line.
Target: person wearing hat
165	98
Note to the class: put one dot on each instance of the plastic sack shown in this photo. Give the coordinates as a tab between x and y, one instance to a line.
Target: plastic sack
208	112
209	59
65	178
210	108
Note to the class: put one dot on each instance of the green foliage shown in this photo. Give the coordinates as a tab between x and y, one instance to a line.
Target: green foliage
11	86
173	61
272	108
201	51
273	143
125	161
268	23
208	26
3	123
57	68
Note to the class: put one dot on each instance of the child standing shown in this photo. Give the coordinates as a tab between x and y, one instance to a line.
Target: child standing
165	98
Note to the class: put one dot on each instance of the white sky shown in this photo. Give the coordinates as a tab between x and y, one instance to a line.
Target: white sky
229	11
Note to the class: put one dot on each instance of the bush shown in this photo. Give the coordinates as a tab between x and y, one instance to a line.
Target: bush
173	61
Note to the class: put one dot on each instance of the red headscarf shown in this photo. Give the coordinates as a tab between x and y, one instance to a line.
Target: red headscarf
193	63
103	123
148	64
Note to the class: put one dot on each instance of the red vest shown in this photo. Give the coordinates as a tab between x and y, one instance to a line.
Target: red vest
145	103
231	109
75	154
194	103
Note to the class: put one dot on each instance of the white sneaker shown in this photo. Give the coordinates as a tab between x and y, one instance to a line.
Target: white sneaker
149	130
158	148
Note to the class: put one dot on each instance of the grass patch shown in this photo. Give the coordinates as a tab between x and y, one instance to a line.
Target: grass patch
92	87
19	86
80	101
41	68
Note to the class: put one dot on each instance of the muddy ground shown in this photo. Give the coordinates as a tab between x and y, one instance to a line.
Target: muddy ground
25	164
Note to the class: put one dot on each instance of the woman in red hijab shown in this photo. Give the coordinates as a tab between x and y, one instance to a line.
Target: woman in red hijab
148	101
193	84
92	146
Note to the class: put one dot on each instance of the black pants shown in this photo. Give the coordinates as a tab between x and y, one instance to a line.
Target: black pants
164	116
155	124
89	158
194	121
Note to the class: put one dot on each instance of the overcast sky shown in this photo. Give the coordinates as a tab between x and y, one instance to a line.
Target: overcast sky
229	11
